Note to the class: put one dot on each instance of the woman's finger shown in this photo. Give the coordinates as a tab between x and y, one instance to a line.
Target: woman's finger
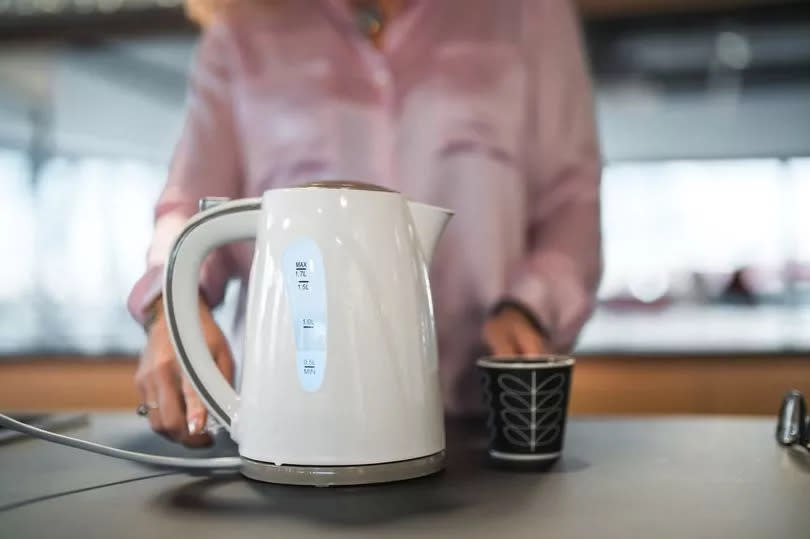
498	340
529	341
196	415
149	397
170	400
224	360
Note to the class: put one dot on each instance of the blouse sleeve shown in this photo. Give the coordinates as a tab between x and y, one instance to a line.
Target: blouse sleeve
206	162
558	278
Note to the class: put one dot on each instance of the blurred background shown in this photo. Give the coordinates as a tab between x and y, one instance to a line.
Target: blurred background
704	116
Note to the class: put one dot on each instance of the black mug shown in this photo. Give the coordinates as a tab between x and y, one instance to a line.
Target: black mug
526	399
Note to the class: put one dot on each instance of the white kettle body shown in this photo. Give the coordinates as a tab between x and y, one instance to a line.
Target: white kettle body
340	377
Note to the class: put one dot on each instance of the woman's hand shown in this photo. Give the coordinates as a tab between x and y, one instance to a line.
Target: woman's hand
180	414
510	333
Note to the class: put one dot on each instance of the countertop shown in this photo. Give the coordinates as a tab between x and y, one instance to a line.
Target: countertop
619	478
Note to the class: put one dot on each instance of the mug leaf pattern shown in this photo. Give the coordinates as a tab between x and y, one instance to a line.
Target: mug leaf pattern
531	413
491	429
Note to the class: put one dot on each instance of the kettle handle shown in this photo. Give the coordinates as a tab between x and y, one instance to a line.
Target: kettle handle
224	223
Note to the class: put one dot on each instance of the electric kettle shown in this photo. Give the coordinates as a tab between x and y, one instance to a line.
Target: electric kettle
340	376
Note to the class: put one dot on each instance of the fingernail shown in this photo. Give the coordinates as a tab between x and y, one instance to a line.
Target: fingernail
194	425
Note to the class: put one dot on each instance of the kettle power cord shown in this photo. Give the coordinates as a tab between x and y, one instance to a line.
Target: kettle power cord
216	463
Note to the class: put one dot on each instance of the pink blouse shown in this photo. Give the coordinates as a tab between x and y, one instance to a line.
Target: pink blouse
481	106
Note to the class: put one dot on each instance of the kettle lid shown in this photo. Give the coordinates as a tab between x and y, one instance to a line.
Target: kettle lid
346	184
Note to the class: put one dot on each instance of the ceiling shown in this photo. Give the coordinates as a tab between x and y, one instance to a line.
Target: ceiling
83	19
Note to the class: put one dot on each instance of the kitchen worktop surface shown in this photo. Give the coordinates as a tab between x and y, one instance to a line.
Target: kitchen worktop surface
619	478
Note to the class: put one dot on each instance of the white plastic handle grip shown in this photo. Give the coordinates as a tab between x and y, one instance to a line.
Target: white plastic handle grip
224	223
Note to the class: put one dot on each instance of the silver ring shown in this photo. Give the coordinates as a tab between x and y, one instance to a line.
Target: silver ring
144	408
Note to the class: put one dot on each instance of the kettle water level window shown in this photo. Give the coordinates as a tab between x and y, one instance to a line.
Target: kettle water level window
305	285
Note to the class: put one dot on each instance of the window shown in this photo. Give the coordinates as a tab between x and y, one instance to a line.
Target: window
75	243
675	233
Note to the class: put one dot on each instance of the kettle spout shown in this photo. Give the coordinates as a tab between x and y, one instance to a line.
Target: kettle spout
430	222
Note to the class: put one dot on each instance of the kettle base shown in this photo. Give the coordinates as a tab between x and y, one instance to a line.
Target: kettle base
332	476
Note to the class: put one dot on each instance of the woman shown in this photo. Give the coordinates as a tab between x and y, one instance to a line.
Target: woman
482	106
